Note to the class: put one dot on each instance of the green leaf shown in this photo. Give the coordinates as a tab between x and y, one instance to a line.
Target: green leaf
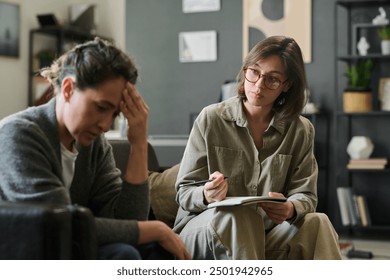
359	74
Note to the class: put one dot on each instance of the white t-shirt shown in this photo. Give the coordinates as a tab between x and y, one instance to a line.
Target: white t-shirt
68	160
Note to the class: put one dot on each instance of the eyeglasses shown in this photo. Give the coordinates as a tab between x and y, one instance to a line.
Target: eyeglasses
252	75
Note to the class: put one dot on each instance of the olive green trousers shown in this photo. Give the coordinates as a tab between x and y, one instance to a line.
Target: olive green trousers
238	233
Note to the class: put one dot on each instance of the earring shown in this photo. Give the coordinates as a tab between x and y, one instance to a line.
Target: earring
281	99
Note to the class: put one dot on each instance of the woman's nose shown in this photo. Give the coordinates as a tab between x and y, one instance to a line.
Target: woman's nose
260	82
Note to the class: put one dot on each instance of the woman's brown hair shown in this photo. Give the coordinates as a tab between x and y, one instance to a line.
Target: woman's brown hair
289	104
91	63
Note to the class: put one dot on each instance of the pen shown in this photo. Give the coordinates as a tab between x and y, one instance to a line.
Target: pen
198	183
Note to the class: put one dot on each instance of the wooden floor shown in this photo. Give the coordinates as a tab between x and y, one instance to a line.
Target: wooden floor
380	249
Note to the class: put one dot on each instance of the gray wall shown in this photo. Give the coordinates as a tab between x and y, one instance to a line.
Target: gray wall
174	90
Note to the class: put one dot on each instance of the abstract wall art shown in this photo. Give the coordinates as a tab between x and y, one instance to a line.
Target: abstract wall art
292	18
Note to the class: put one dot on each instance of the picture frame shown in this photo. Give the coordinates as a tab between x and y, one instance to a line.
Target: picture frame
9	29
291	18
198	46
197	6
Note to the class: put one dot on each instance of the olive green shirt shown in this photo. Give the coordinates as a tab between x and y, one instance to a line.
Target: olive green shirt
220	141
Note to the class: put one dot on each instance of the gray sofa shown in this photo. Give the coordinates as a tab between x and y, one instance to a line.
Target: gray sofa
161	181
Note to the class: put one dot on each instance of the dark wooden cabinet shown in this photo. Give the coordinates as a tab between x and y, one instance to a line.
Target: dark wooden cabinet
320	121
48	43
353	20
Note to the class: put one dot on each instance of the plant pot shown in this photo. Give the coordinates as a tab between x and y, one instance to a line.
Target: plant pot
357	101
385	46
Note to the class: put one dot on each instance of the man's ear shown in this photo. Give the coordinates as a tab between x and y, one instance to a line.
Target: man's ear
67	87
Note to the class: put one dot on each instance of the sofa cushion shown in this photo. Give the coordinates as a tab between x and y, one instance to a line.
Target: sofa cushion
163	194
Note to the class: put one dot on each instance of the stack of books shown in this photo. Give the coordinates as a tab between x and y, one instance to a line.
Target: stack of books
370	163
353	208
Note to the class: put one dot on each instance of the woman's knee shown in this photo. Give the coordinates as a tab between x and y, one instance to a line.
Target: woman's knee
319	222
317	218
239	216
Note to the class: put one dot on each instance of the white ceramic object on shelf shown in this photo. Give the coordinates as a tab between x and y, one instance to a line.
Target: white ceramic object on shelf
385	47
363	46
360	147
385	97
381	19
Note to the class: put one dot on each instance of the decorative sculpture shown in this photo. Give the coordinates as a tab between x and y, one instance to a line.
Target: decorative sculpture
360	147
381	18
363	46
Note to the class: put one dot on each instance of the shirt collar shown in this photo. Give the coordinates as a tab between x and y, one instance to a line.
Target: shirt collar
232	110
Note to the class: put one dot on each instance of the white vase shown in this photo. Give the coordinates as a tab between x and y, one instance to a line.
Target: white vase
360	147
385	46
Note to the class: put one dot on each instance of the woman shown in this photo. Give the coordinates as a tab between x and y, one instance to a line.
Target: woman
261	143
57	152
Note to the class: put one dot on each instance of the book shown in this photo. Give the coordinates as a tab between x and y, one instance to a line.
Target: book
245	200
369	161
350	204
348	209
372	166
356	209
341	197
364	213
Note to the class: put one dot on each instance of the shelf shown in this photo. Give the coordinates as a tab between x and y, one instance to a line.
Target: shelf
365	114
368	25
71	31
64	38
386	170
357	3
354	57
369	183
380	232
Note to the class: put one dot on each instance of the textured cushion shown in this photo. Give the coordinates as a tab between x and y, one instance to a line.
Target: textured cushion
163	194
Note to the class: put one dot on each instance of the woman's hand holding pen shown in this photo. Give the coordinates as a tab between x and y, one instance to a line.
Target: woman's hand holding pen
215	190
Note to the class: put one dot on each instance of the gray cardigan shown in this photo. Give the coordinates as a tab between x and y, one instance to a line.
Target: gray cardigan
30	170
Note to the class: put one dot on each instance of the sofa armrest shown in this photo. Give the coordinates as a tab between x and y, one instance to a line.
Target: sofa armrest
35	231
84	240
40	231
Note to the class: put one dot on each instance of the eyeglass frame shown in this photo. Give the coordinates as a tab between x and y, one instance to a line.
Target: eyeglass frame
262	75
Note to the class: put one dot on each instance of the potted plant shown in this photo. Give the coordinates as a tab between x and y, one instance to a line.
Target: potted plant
45	57
357	96
384	34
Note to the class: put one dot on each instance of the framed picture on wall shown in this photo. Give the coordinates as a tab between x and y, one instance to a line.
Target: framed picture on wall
291	18
9	29
197	6
198	46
